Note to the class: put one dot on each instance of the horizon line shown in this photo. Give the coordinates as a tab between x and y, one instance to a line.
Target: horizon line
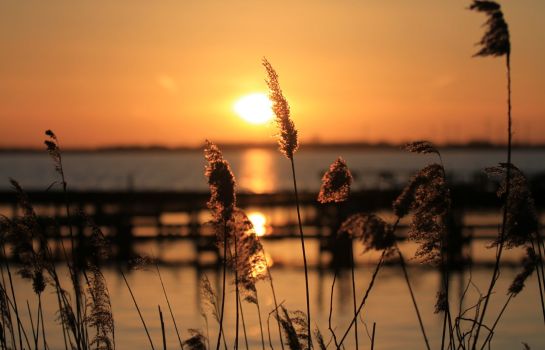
472	144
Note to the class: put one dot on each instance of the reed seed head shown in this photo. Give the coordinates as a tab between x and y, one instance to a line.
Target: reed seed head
52	147
209	297
251	264
336	183
100	316
371	230
196	341
221	182
522	220
495	41
295	329
422	147
528	266
288	134
428	197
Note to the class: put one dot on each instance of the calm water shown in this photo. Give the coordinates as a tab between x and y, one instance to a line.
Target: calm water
389	305
256	170
259	170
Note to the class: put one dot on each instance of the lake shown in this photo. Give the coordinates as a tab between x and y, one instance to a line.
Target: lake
266	171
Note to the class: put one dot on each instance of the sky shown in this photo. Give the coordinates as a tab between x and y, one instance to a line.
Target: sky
103	73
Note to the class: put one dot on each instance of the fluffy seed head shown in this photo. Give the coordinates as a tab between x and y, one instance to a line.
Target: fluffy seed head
221	182
522	220
370	229
528	265
196	341
294	327
422	147
336	183
495	41
288	134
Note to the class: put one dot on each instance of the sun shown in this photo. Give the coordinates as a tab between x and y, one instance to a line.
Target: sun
255	108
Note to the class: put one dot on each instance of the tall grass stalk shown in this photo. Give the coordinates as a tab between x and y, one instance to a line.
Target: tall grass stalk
223	285
137	309
169	307
271	284
496	43
540	276
15	308
288	144
329	323
162	328
364	299
373	336
352	267
407	281
301	235
237	292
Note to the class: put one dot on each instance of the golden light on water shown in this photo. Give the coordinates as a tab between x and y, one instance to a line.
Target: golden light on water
259	221
255	108
256	174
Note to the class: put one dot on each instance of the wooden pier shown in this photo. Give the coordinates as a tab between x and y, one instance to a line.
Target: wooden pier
128	217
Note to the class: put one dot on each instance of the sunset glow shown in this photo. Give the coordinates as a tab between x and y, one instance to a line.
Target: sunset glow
163	67
259	221
254	108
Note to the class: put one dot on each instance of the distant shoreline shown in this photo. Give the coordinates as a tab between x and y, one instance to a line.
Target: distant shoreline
479	145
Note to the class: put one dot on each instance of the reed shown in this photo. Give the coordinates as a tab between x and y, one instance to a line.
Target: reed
496	43
288	144
85	310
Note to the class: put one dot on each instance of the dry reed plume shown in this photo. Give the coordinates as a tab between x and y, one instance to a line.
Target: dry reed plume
288	145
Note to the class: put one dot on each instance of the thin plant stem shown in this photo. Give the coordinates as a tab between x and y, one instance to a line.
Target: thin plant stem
354	295
237	293
40	315
269	327
15	309
373	336
43	326
243	323
331	311
75	268
352	267
505	207
406	275
223	284
19	322
303	250
491	331
274	297
360	307
541	248
6	297
539	280
260	323
169	307
35	338
137	309
162	328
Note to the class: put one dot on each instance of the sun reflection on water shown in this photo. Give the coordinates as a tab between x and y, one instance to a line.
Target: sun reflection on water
259	221
257	171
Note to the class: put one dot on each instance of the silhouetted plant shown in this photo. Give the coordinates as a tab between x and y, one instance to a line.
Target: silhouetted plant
196	341
336	183
295	327
288	145
495	42
221	182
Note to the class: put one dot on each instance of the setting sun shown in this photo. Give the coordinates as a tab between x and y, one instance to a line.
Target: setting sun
254	108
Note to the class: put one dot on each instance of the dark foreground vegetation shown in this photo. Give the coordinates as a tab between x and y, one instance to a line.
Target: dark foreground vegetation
84	307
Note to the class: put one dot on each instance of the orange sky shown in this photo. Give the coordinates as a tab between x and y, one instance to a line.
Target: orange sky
168	72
